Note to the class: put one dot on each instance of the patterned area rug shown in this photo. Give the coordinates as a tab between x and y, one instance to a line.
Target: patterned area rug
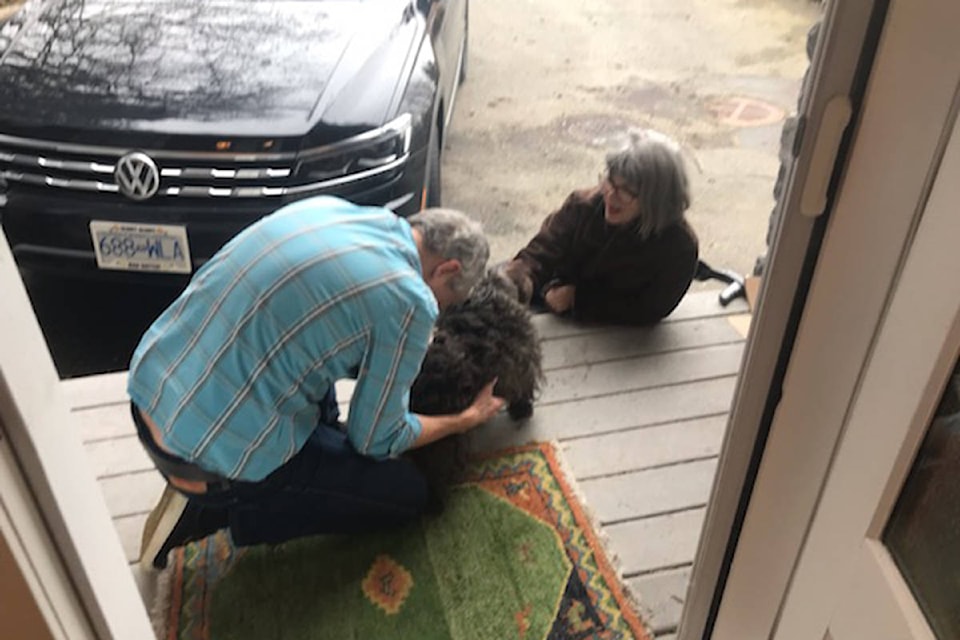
512	556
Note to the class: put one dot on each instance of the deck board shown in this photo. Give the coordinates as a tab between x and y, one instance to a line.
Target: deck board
640	414
703	304
656	544
644	448
642	494
94	391
661	598
645	372
117	456
130	528
609	414
132	493
620	343
104	422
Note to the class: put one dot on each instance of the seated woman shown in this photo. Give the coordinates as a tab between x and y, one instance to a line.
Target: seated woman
620	252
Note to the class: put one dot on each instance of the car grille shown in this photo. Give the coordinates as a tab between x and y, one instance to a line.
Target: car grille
52	165
82	168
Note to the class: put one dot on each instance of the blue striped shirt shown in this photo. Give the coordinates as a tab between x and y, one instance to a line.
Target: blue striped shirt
233	371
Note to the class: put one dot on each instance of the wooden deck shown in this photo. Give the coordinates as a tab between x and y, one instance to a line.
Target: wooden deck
640	414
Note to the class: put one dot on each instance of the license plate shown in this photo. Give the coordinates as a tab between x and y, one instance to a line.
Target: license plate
124	246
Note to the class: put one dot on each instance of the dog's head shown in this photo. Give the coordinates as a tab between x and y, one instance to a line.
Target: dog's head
489	335
448	378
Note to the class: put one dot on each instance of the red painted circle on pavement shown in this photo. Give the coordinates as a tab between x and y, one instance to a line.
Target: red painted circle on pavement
743	111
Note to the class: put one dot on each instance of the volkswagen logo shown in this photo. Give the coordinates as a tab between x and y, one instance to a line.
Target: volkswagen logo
137	176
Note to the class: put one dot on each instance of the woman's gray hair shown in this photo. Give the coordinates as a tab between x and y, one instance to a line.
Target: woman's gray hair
451	235
651	166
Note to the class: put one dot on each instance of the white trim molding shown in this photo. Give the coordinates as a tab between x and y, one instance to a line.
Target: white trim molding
86	576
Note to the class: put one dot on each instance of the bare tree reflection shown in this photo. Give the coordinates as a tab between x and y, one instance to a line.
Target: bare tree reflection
76	60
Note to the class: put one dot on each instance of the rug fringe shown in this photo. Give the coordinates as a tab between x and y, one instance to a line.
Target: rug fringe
160	609
599	532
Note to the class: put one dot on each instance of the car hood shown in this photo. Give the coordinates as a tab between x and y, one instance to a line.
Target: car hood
214	67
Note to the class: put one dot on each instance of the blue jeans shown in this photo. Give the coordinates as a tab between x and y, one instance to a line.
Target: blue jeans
327	487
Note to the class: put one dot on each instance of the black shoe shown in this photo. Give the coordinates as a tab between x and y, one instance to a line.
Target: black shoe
174	522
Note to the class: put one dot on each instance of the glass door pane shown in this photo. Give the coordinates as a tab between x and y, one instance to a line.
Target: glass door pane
923	534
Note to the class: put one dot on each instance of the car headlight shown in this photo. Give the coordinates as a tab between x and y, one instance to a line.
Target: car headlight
369	153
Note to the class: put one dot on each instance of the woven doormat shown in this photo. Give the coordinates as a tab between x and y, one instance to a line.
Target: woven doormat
512	556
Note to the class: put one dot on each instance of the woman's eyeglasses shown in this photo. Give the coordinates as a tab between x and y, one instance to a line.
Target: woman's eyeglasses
607	184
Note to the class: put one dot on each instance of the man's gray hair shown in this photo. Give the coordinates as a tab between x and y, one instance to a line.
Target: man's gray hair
651	166
451	235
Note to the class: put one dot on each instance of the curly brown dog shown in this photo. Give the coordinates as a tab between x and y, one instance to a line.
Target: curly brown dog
489	335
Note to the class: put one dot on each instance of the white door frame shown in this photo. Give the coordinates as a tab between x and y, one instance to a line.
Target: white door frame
67	545
35	554
897	143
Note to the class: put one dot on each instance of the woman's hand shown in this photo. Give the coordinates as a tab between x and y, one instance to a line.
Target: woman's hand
560	299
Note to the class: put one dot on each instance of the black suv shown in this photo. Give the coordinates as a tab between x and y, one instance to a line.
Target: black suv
137	136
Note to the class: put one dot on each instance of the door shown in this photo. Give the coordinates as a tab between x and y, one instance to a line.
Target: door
862	375
882	557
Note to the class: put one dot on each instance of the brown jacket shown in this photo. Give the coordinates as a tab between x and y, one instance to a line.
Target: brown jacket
619	277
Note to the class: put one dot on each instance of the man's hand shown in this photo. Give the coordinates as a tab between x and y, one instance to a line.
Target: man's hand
484	406
560	299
